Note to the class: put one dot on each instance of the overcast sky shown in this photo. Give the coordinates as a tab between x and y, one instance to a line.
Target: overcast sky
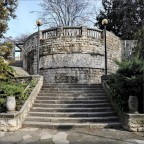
25	21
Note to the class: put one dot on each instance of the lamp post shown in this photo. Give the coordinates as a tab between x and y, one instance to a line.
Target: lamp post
104	23
38	23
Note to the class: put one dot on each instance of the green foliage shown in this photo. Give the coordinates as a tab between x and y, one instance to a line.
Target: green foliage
17	89
7	9
139	48
124	16
5	70
127	81
6	12
5	51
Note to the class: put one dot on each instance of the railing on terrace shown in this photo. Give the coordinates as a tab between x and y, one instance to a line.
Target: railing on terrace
49	33
94	33
72	32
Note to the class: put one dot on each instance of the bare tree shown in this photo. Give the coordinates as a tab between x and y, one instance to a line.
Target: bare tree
65	12
21	38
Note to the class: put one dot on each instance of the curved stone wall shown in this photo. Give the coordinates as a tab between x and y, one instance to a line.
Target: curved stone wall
72	54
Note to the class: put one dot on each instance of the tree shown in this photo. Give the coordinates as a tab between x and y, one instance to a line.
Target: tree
139	48
125	16
7	9
64	12
21	38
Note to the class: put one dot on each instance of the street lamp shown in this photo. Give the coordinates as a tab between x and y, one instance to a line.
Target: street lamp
104	23
38	23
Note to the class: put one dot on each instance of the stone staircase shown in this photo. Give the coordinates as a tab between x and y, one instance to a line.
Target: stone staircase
71	105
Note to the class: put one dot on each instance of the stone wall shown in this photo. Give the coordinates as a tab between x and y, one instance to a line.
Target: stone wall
72	75
73	53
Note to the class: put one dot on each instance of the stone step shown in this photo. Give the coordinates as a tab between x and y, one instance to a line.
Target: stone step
71	102
71	105
72	119
71	125
98	109
71	94
72	114
71	89
71	86
67	98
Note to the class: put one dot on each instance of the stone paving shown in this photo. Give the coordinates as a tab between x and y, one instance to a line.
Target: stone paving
73	136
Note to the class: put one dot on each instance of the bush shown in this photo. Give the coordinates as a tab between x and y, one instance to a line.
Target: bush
11	88
127	81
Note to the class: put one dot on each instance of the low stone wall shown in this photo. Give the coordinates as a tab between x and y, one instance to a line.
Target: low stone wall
133	122
72	75
13	121
130	122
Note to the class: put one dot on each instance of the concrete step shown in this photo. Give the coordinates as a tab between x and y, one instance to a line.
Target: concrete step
75	92
71	125
72	119
70	101
71	105
71	86
71	89
67	98
71	94
72	114
98	109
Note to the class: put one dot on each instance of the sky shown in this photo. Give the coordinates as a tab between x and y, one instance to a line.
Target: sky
25	21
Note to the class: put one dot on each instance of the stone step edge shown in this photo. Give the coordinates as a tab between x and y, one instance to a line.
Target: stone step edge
71	104
74	92
71	94
76	88
70	108
67	96
73	118
72	100
70	125
71	83
72	113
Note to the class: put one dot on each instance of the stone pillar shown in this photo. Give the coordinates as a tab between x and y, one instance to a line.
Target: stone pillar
84	31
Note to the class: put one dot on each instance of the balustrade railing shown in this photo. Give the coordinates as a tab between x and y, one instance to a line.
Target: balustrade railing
72	31
49	33
94	33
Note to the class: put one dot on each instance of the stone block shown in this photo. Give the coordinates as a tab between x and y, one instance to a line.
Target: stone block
3	123
12	122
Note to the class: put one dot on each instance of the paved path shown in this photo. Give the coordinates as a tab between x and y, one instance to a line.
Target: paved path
75	136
